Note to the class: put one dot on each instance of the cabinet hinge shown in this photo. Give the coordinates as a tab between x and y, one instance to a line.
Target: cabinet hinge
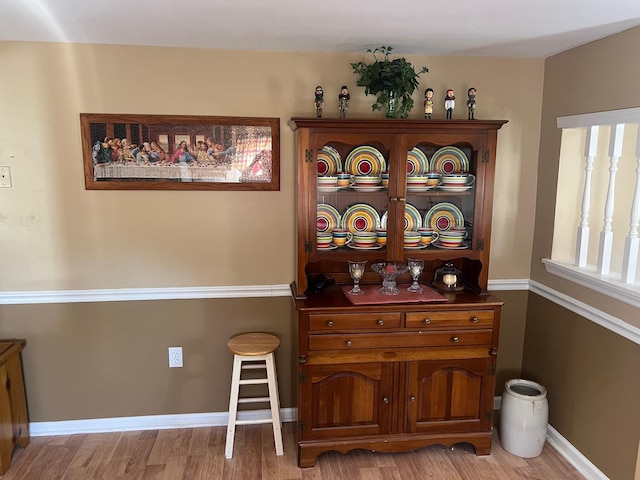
492	370
480	245
307	246
485	156
303	425
489	415
308	155
302	377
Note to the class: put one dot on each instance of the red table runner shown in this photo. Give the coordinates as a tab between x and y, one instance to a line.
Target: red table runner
371	295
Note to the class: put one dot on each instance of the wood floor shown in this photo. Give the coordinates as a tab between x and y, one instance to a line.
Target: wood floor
198	453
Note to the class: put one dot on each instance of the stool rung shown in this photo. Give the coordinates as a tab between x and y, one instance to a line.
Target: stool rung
253	422
253	381
254	366
254	400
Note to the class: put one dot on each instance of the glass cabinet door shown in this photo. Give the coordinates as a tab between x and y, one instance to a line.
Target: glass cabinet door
440	188
350	175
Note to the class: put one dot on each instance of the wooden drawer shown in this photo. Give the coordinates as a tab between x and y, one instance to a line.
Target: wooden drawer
450	319
354	321
400	340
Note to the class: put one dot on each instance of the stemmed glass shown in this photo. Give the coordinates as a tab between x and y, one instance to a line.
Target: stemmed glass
415	269
356	270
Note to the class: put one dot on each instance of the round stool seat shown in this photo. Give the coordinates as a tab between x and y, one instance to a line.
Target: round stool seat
250	344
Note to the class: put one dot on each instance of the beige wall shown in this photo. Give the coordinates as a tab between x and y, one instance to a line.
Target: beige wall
56	235
591	374
102	360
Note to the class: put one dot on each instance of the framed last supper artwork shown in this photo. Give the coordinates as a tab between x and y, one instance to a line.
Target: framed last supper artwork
180	152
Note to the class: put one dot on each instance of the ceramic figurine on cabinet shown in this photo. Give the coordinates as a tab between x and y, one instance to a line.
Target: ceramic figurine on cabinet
319	101
343	101
428	102
471	103
450	103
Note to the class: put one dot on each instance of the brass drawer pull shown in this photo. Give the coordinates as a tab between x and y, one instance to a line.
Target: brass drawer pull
427	321
412	398
380	322
348	343
330	323
455	339
385	399
474	319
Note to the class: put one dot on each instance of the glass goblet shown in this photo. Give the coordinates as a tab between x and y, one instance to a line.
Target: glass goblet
415	269
356	270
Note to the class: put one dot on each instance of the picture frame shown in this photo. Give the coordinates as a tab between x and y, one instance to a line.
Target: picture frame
180	152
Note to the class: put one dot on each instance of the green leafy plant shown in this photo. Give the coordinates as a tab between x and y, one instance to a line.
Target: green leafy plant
392	81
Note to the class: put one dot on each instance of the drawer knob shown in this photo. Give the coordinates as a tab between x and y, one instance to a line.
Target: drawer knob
330	323
348	343
380	322
474	319
385	399
427	321
455	339
412	398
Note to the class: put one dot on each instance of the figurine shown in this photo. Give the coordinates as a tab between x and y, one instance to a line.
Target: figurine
428	102
471	103
319	101
343	101
450	103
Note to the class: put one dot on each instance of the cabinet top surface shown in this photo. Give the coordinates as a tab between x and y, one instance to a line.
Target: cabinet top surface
8	347
333	298
395	124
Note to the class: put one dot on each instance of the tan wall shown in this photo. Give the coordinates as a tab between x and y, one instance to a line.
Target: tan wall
103	360
56	235
94	360
591	374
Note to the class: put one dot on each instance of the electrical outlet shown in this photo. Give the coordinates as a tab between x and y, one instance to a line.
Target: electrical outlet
175	357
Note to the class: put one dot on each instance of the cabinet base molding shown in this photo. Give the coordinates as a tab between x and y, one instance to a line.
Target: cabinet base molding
308	451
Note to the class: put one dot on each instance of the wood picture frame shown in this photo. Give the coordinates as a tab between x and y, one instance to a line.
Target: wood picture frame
180	152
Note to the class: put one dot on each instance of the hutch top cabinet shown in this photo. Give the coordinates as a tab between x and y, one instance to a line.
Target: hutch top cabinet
401	149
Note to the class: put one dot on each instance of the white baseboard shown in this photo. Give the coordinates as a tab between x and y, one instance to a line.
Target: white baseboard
151	422
573	455
217	419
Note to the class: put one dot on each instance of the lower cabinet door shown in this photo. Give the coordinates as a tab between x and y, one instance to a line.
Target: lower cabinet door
449	396
345	400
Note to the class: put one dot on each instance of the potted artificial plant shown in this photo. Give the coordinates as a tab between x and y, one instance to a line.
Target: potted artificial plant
392	81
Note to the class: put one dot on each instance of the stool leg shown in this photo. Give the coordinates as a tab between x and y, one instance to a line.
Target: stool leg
233	406
275	403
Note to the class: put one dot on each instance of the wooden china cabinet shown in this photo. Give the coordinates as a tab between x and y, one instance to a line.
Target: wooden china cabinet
394	376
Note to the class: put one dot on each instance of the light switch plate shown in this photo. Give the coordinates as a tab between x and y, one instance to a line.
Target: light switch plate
5	177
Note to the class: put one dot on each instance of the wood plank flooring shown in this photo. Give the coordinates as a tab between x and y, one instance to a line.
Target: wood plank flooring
198	453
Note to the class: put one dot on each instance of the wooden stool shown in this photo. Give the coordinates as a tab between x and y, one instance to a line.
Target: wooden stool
258	350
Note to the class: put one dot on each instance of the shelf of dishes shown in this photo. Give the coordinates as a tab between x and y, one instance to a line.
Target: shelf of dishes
365	170
361	227
448	183
367	160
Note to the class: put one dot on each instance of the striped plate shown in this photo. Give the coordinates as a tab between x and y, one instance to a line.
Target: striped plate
444	216
365	160
360	217
412	218
417	162
328	217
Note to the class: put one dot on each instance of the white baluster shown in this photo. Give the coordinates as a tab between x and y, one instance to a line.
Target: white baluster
582	242
606	236
632	242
